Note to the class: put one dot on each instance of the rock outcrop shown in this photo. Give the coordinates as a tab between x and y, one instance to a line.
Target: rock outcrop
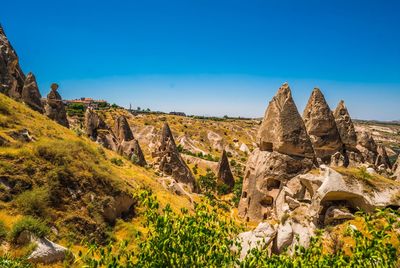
170	162
224	173
122	129
396	169
93	123
345	127
321	127
382	158
133	151
54	107
11	76
367	146
30	94
282	129
47	252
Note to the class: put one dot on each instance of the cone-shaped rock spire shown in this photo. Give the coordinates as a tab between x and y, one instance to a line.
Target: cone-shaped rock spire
93	123
396	169
122	129
31	95
282	129
11	76
170	161
54	107
345	126
321	127
382	158
224	174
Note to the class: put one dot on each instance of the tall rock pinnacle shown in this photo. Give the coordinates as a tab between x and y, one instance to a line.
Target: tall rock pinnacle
54	107
321	127
170	161
282	129
122	129
30	94
224	174
345	126
11	76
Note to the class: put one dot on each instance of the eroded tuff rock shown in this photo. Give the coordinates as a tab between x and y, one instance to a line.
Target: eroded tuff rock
282	129
133	151
265	175
396	169
122	129
54	107
367	146
93	123
47	252
345	126
11	76
382	158
30	94
170	162
321	127
224	173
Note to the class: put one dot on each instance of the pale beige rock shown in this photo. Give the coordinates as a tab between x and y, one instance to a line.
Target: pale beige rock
382	158
54	107
321	127
30	94
337	215
282	129
367	146
122	129
47	252
224	173
396	169
284	236
345	126
93	123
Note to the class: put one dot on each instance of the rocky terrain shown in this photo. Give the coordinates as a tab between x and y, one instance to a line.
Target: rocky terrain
192	192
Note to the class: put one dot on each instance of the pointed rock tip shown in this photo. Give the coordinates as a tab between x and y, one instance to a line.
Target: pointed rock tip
284	90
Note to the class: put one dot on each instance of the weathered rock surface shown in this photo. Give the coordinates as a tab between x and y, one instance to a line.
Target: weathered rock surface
93	123
260	238
321	127
120	206
107	139
54	107
133	151
30	94
282	129
47	252
266	173
367	146
11	76
382	158
396	169
224	173
336	214
345	126
122	129
170	162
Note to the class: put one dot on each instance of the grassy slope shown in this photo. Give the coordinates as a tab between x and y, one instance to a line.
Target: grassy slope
58	153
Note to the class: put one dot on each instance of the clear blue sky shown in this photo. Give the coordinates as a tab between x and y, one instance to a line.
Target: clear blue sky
213	57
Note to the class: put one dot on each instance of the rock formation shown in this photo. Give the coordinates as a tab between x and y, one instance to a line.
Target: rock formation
11	76
282	129
54	107
382	158
321	127
284	152
367	146
345	126
122	129
30	94
396	169
224	173
132	150
93	123
170	162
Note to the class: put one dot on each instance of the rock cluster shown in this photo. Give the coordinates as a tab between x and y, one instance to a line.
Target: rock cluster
224	173
30	94
321	127
170	162
54	107
119	139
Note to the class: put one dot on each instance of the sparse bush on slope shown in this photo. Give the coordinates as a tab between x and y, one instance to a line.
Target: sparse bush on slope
30	224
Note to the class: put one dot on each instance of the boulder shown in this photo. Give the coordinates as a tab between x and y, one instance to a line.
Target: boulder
337	215
120	206
11	76
244	148
282	129
321	127
224	173
284	236
170	162
21	135
345	126
260	238
54	107
47	252
30	94
265	174
122	129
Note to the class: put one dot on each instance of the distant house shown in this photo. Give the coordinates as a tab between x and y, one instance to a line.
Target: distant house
177	113
87	102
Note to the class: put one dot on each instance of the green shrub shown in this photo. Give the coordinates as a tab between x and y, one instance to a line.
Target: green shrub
208	182
3	230
33	225
117	161
7	261
237	191
33	202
